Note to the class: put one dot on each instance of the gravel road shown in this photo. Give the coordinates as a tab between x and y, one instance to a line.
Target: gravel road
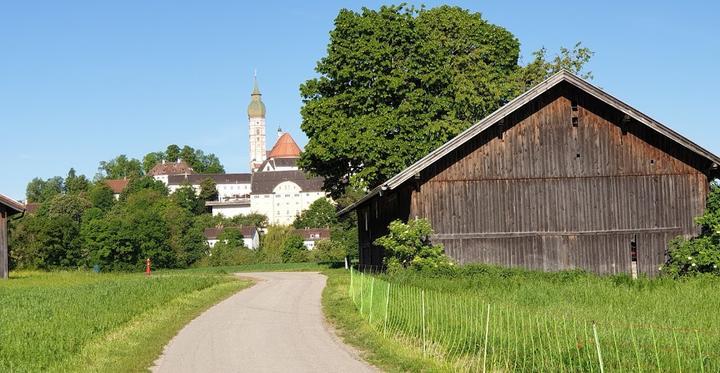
277	325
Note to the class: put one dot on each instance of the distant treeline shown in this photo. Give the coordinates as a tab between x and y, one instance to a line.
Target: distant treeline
79	223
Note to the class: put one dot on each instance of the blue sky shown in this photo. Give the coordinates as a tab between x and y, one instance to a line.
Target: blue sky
84	81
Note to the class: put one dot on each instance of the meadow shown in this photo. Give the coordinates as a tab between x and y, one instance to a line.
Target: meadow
83	321
489	319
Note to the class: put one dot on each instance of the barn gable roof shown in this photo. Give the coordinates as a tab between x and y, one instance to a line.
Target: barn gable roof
517	103
12	206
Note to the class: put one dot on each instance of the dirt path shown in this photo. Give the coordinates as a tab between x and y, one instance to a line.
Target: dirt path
275	326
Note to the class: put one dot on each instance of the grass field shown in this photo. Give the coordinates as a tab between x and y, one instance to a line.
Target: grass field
79	321
491	319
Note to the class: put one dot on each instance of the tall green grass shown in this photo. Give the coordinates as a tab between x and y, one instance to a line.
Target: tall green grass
48	320
502	321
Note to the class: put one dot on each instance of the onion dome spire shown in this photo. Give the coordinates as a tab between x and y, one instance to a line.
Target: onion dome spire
256	109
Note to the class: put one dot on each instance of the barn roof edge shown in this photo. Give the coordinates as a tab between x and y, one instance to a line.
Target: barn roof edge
542	87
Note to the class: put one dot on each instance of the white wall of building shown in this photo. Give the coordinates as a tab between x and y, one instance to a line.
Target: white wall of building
174	188
250	242
231	211
163	178
284	204
230	190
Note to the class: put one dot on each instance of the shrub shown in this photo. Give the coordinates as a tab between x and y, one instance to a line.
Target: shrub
699	254
229	250
319	214
329	251
272	243
408	246
294	250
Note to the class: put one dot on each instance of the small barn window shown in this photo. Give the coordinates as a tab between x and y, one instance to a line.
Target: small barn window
574	113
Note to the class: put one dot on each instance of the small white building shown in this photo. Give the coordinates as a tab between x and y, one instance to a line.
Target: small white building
251	236
229	186
117	186
311	236
164	169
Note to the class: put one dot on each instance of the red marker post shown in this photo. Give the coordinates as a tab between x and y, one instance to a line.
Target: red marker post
147	267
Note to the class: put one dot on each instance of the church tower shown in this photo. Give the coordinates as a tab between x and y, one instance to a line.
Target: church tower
256	118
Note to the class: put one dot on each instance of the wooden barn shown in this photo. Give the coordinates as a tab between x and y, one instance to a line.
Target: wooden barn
8	207
564	176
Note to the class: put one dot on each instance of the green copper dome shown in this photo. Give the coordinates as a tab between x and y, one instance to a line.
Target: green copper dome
256	109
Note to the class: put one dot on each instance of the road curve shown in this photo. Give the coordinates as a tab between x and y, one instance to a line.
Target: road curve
277	325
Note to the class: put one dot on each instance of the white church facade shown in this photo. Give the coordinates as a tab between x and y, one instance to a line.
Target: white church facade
275	187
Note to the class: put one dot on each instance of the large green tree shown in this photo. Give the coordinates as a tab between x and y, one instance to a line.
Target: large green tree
272	245
320	214
51	237
120	167
208	190
186	198
141	183
398	82
75	184
101	196
39	190
195	158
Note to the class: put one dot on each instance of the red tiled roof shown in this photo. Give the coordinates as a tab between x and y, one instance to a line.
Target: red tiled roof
213	233
171	168
285	147
117	185
313	234
13	206
31	207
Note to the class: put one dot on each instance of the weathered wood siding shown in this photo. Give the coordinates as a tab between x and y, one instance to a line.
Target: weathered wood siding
3	243
543	192
373	220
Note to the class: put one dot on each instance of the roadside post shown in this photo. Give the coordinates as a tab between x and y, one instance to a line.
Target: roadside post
147	267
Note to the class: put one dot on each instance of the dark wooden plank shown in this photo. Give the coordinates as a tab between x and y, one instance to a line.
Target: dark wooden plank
3	244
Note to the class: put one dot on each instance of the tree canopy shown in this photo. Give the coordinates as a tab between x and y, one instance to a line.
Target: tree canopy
39	190
320	214
120	167
75	183
195	158
399	81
